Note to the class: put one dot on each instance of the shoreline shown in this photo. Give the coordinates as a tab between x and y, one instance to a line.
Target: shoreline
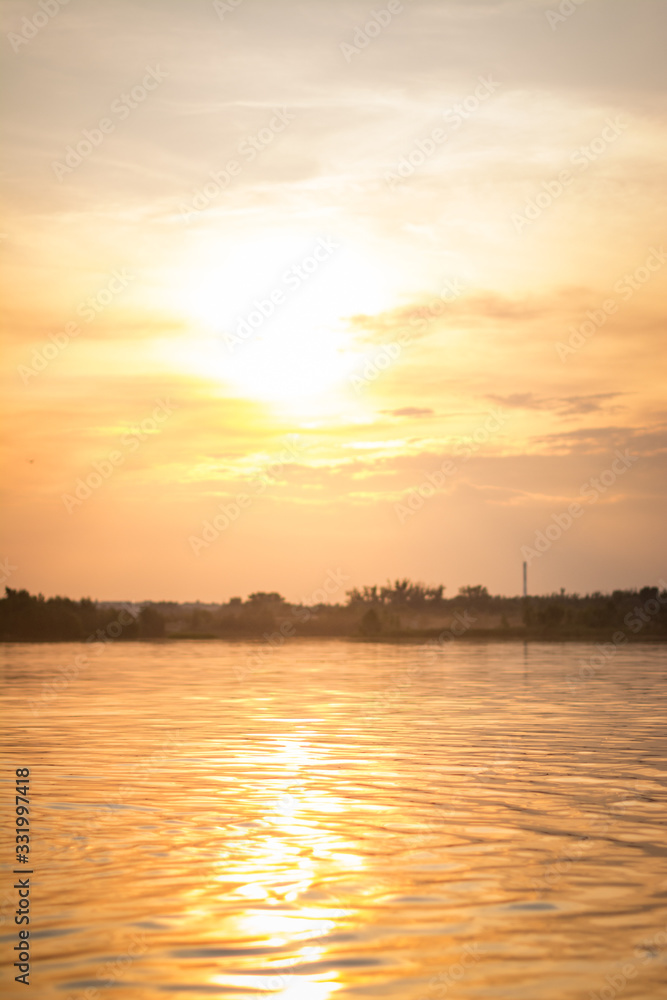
407	637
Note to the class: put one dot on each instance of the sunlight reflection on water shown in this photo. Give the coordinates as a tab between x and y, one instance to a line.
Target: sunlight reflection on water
353	820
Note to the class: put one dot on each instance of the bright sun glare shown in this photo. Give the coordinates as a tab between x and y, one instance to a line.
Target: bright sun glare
271	314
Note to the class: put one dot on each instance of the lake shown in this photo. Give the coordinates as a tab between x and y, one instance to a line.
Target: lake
334	819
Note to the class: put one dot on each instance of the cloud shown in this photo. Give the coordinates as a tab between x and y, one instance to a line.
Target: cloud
410	411
568	406
429	314
592	439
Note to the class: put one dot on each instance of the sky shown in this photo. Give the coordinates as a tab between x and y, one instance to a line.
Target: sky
297	292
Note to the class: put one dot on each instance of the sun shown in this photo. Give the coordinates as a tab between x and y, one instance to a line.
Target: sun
274	313
295	361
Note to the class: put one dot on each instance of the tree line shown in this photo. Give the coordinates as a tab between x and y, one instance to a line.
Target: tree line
29	617
399	608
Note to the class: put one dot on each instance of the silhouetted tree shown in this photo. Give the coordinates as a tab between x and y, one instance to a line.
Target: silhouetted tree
261	598
551	615
151	623
476	593
370	623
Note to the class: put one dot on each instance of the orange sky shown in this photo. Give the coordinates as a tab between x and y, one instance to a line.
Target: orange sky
384	297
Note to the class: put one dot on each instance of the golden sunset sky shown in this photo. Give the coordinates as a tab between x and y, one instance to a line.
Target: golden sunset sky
418	314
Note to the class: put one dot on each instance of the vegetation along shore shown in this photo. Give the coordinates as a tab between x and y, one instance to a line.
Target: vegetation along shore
402	611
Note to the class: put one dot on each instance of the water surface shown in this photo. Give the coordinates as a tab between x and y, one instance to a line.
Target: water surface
338	820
